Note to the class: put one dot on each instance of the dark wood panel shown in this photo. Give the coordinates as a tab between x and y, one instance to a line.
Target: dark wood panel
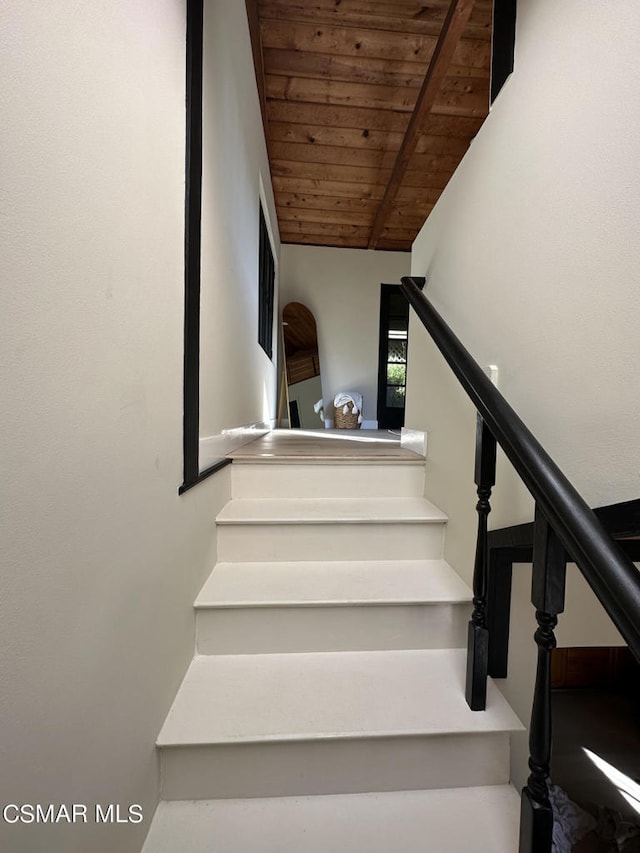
387	245
354	41
341	82
337	188
406	223
591	667
326	203
357	69
332	154
426	180
414	17
303	239
326	229
371	140
311	214
466	96
387	120
324	172
417	195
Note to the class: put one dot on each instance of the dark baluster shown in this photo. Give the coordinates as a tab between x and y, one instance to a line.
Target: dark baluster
500	571
547	596
478	636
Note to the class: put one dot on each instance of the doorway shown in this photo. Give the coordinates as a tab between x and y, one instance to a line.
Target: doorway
392	356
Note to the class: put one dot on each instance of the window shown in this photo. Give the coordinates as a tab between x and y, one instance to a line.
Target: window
392	358
266	279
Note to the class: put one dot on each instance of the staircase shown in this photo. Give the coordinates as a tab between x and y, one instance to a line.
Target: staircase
324	709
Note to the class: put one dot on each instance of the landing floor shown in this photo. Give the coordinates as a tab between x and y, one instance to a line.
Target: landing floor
326	444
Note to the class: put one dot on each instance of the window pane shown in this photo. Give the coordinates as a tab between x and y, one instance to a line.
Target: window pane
395	397
397	350
396	374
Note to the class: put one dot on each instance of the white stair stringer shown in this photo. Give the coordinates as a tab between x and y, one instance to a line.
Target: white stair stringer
324	709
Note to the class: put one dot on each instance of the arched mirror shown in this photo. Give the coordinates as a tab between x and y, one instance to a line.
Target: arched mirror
302	367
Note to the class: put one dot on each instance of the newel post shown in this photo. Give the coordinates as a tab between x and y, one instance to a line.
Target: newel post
478	635
547	596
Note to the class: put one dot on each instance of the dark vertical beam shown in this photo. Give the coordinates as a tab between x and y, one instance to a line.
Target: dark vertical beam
547	596
500	571
192	240
502	43
478	636
253	18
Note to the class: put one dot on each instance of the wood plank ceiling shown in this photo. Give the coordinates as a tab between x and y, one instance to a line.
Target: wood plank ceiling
368	108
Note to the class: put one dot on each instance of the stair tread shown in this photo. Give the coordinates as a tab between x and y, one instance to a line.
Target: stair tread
336	510
341	582
450	820
328	695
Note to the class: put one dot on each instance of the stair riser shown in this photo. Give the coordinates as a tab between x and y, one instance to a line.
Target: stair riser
326	480
260	542
333	766
260	630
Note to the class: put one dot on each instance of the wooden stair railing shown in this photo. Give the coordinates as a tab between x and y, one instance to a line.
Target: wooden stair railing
565	528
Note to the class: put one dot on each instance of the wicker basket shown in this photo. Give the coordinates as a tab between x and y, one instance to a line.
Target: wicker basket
348	421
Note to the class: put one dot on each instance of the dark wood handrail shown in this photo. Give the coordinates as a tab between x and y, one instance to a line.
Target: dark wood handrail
609	572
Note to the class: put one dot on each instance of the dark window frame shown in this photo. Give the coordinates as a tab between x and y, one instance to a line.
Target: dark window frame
389	417
192	252
266	287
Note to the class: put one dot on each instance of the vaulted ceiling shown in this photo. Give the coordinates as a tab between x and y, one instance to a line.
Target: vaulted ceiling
368	108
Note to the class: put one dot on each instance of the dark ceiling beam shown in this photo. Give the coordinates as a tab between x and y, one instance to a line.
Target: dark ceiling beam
454	24
253	18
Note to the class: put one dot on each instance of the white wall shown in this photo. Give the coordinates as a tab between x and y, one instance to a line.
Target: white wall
101	559
240	388
532	257
341	287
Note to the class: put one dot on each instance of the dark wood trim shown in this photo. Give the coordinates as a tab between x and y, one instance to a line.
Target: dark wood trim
547	596
388	418
516	536
509	545
203	475
478	635
608	570
266	285
253	17
503	42
192	243
452	28
621	519
631	548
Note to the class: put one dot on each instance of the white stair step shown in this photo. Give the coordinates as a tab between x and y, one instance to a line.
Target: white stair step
341	529
248	608
274	725
413	510
482	819
322	479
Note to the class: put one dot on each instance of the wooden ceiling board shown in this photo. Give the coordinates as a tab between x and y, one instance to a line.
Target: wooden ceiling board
358	69
413	16
339	83
375	44
457	97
